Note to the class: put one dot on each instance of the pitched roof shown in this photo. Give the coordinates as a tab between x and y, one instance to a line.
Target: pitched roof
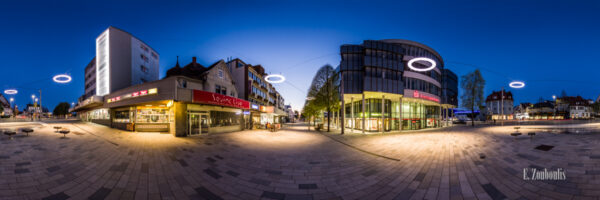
578	100
495	96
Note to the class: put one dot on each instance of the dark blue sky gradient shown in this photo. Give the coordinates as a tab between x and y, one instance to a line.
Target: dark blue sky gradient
550	45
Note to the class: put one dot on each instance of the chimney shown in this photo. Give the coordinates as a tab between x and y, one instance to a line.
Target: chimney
194	59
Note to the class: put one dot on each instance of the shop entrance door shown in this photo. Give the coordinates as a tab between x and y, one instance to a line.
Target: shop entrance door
198	123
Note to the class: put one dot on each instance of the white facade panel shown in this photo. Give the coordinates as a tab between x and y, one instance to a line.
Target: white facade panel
102	64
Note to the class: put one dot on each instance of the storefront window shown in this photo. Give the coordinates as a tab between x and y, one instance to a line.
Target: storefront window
220	118
152	115
122	116
99	114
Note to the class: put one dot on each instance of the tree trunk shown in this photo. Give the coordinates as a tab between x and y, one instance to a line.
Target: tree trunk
472	116
328	118
473	108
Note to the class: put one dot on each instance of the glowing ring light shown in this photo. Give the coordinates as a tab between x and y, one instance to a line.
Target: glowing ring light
270	76
516	84
411	61
11	91
62	78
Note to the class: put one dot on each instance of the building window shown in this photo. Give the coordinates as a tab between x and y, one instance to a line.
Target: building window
218	89
144	69
144	57
220	73
143	80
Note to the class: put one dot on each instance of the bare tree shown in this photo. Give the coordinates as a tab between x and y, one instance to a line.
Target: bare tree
472	85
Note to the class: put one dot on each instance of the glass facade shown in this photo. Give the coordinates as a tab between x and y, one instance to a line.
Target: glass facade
375	119
417	116
377	67
396	115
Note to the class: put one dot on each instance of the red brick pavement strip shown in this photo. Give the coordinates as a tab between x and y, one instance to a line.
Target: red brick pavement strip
293	164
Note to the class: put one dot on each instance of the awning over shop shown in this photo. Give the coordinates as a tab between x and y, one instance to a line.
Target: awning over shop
88	104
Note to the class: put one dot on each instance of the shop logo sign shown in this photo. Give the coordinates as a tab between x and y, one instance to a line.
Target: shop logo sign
219	99
416	94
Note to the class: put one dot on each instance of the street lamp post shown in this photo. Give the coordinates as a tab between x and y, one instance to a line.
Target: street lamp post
555	106
12	110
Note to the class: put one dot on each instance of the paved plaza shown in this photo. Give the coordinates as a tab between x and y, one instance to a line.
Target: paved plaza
96	162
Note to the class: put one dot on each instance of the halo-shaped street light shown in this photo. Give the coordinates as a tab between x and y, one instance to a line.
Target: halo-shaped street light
411	61
269	78
517	84
11	91
62	78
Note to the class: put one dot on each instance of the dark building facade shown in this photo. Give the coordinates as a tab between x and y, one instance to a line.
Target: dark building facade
90	80
382	93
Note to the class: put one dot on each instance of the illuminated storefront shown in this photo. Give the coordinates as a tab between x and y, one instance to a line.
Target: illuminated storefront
397	113
163	106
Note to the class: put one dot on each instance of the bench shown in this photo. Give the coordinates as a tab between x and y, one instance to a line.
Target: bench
27	130
515	134
10	133
531	134
64	131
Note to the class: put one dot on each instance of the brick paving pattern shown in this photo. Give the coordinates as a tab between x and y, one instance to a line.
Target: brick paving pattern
96	162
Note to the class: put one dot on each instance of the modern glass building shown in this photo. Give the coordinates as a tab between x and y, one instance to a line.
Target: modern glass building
382	93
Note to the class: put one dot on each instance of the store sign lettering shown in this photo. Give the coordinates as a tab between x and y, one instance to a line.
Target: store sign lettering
219	99
255	107
133	94
416	94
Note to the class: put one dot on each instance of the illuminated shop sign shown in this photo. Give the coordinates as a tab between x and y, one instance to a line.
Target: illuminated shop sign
219	99
255	107
416	94
267	109
133	95
246	112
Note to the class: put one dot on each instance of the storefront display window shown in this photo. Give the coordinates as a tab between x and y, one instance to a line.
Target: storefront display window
99	114
152	115
220	118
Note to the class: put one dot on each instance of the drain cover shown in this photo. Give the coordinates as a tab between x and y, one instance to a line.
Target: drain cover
544	147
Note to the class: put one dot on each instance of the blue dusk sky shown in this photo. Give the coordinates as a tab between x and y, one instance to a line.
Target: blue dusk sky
551	45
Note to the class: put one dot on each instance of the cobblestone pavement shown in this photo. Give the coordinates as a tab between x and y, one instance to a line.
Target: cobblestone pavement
95	162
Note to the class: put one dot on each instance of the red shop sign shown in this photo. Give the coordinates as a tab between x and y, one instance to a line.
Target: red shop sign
416	94
219	99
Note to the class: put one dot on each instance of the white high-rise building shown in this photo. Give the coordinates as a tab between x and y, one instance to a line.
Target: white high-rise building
122	60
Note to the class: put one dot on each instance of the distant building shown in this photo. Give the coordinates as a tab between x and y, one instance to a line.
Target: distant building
577	107
122	60
499	105
5	105
520	111
291	115
542	111
267	105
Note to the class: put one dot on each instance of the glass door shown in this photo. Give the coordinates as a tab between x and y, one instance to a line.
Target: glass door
194	120
204	123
